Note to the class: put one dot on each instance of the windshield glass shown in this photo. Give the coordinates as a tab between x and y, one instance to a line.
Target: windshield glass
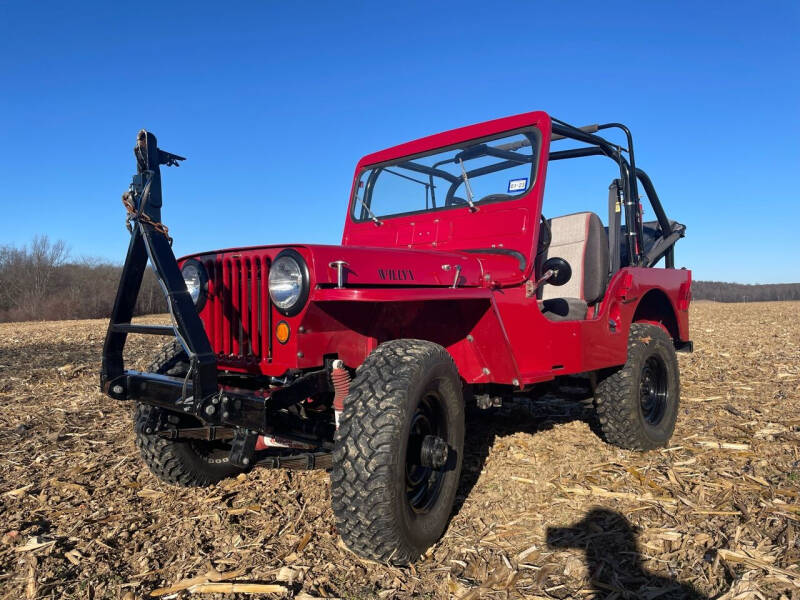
491	169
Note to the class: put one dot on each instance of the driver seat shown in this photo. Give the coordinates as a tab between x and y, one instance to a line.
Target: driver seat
582	241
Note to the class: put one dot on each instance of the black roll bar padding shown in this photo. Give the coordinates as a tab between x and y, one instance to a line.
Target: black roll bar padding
585	129
614	225
578	153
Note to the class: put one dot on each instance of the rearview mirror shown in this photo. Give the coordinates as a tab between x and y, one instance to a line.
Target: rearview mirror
560	271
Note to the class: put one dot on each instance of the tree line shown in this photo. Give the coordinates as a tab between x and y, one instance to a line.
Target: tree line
742	292
41	282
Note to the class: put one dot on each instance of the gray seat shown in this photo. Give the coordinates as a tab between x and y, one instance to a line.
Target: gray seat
581	240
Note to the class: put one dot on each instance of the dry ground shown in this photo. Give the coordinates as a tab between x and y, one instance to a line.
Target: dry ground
717	512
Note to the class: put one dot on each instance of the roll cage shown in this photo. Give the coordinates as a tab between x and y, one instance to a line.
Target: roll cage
642	246
628	194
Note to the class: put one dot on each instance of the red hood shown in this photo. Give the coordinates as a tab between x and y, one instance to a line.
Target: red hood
392	266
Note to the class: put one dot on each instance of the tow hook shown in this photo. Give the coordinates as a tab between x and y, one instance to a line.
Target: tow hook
434	452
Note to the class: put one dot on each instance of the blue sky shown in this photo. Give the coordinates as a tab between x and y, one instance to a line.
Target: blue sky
274	103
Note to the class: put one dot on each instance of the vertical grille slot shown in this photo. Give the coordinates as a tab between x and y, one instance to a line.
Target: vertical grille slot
238	319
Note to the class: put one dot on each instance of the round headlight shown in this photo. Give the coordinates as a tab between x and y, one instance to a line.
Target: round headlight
196	280
288	282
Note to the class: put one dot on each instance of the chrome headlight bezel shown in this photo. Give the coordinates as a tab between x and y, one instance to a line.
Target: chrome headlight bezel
201	284
301	298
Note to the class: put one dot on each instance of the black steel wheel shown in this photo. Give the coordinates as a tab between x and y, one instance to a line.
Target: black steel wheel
423	480
653	390
398	453
188	463
637	404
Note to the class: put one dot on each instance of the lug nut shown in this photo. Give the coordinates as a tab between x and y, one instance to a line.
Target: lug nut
117	389
245	461
211	409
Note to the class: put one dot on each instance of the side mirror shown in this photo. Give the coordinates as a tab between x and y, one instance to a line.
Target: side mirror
559	271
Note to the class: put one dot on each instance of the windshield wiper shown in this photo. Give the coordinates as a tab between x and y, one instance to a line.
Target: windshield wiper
467	187
371	214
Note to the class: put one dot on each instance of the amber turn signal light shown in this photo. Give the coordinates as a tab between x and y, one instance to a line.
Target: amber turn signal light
282	332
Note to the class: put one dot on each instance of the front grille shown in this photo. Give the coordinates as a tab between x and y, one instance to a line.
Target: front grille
238	316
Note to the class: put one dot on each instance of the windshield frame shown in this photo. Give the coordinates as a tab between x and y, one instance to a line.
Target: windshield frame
530	130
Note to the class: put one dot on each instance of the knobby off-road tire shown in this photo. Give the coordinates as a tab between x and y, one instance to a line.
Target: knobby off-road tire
404	389
192	463
637	404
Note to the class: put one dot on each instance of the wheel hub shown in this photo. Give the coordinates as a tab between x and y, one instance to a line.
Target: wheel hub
426	455
653	391
434	452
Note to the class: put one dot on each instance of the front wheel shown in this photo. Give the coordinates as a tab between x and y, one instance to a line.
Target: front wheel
398	452
187	463
637	404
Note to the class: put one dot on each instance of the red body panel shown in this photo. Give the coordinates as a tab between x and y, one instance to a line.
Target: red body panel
399	283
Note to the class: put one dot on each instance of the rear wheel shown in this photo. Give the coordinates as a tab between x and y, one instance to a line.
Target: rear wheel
637	405
186	463
398	452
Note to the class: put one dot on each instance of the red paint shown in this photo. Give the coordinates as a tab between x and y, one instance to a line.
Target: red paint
398	284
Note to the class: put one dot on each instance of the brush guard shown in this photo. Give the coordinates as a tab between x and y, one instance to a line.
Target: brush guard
248	413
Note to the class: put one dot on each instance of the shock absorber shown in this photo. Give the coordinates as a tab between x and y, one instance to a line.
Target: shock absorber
340	377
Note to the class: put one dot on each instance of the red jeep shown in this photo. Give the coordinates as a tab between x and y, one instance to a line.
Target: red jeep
450	287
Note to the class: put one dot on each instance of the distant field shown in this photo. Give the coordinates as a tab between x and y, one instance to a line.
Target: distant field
719	510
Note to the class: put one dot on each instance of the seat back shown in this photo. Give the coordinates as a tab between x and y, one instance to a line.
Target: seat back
581	240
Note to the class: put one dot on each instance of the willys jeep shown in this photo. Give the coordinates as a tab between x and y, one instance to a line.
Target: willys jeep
450	290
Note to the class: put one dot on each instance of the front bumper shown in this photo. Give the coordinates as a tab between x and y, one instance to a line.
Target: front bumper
257	411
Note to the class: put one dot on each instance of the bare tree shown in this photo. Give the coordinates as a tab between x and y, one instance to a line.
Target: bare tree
38	282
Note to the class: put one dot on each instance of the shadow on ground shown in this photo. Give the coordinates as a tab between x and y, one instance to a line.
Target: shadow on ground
613	559
608	539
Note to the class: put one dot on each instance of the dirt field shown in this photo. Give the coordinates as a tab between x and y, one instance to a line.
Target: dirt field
546	509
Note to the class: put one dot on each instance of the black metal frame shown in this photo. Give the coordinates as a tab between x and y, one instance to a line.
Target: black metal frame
149	243
199	393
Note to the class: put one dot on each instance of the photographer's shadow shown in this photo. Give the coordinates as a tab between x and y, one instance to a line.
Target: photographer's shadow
614	561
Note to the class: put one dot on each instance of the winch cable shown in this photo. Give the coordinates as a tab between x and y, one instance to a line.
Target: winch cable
139	215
